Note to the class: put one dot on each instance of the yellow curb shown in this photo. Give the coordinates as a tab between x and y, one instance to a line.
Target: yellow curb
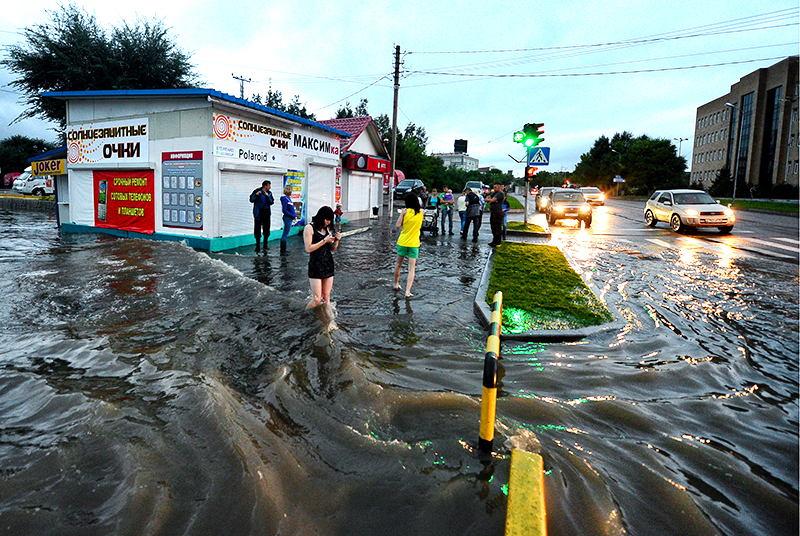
526	509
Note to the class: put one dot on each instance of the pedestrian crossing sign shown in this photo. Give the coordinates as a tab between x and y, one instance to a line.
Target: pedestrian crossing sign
539	156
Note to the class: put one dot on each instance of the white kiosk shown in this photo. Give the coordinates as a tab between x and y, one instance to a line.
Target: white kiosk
180	164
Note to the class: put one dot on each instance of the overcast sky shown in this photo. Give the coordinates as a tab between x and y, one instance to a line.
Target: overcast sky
470	70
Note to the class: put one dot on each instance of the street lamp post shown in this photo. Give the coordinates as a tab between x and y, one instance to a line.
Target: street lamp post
619	158
736	156
680	141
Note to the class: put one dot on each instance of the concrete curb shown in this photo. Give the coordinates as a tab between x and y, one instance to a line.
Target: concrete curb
39	204
484	313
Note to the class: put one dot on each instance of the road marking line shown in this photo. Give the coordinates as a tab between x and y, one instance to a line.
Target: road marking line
727	250
792	240
659	242
774	245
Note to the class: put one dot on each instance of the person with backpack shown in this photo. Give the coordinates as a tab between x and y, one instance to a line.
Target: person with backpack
262	200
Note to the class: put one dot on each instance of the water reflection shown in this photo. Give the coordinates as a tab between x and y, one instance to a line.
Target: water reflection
191	392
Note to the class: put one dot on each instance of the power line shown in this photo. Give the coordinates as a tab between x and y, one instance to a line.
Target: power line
638	71
707	30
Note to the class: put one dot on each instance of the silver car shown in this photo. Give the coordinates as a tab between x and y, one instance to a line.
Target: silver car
687	208
594	196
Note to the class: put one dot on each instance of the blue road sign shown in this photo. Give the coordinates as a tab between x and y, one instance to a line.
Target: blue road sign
539	156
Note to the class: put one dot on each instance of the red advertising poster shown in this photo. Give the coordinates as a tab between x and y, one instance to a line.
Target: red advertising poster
124	200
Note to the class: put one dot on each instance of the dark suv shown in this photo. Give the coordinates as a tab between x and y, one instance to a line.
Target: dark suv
408	185
568	203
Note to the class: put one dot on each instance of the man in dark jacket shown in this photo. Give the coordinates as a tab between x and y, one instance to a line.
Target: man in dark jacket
473	214
262	213
495	201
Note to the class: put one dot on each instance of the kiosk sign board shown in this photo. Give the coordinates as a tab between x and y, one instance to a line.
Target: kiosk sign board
124	200
110	142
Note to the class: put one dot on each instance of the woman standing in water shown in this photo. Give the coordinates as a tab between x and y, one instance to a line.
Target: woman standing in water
320	241
410	221
289	215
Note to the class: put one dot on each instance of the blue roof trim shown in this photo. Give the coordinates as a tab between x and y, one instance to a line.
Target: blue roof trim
48	154
189	92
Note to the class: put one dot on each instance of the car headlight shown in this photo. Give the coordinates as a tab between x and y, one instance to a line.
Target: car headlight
585	208
728	212
602	197
543	202
558	209
691	212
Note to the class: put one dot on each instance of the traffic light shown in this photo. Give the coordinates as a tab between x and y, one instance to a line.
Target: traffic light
530	172
532	134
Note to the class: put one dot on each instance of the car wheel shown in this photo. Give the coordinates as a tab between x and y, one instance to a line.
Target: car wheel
587	222
676	223
650	219
38	192
550	219
726	230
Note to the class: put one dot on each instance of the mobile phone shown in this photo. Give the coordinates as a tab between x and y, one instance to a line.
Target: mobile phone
102	203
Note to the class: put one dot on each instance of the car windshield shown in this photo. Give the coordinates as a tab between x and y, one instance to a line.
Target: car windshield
566	197
590	190
408	183
693	198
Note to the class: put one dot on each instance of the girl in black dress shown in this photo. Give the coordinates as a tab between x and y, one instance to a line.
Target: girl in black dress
320	241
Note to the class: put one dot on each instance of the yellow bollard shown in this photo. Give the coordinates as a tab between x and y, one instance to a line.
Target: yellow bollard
489	392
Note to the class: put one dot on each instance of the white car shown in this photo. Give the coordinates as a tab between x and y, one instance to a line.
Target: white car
687	208
593	195
28	184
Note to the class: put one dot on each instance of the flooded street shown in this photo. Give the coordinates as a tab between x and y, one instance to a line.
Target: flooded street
149	388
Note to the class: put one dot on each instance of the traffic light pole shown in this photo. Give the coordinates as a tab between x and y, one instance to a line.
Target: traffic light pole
527	186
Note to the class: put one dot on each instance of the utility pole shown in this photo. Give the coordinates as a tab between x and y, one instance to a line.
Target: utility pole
241	80
394	129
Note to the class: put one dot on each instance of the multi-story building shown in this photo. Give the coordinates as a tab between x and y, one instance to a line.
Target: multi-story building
458	161
459	158
751	131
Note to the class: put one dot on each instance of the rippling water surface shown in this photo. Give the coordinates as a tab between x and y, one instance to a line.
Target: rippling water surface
148	388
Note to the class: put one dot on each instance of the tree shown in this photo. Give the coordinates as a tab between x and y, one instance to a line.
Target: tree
345	111
15	151
646	164
74	53
275	100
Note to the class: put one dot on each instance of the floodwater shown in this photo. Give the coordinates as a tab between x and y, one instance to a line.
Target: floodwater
148	388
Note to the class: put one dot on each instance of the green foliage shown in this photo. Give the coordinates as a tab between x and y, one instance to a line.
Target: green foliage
74	53
537	279
360	111
274	99
522	226
645	163
15	151
722	184
514	204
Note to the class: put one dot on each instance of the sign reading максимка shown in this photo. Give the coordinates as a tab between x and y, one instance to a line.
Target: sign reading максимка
264	143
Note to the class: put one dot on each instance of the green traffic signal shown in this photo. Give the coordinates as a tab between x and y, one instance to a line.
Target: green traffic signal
530	135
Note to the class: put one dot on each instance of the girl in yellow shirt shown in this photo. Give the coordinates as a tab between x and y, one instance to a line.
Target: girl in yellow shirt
410	221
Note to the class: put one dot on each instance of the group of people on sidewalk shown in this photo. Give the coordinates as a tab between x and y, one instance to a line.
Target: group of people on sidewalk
444	204
473	213
321	238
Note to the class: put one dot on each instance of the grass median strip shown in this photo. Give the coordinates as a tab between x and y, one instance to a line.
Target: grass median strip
541	291
522	226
